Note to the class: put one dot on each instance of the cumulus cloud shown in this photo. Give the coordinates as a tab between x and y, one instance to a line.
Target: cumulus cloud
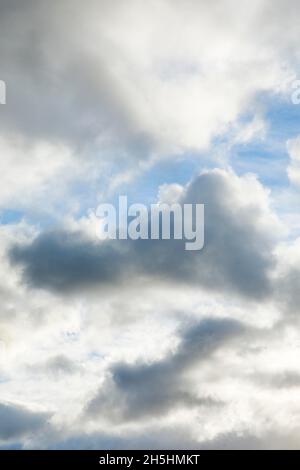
239	234
135	391
17	422
143	344
106	83
128	88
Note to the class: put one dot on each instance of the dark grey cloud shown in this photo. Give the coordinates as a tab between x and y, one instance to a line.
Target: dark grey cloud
237	253
66	261
132	392
237	256
288	291
18	422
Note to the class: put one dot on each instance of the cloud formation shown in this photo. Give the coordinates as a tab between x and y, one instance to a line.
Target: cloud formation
144	344
237	256
139	390
17	422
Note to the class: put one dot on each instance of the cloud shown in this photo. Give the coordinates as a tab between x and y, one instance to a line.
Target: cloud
57	366
31	169
280	380
115	97
269	440
166	437
142	344
293	147
161	437
287	277
134	391
112	83
17	422
239	240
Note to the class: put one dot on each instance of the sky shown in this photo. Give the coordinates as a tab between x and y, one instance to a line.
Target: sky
141	344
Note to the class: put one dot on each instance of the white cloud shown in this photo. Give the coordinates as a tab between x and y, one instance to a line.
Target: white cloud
154	87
